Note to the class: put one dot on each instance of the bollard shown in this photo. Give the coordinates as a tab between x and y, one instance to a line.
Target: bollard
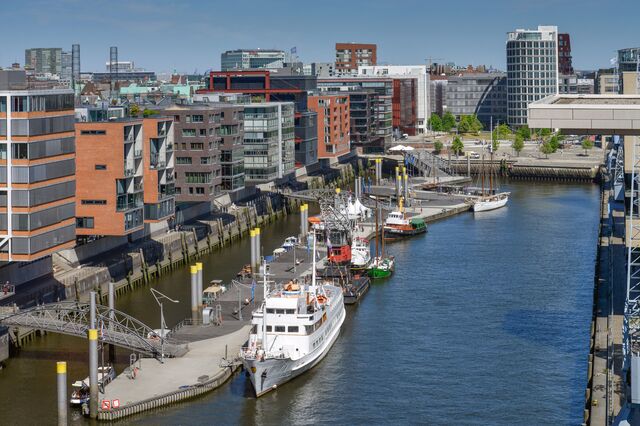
252	236
194	291
200	286
406	189
112	306
258	248
302	220
93	373
61	370
468	165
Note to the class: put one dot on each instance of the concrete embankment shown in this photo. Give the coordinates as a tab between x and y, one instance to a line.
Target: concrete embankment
532	170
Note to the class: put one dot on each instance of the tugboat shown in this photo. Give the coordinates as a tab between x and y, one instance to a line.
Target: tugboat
292	331
397	225
380	266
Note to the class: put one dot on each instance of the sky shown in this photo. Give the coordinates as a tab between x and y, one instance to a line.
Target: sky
189	35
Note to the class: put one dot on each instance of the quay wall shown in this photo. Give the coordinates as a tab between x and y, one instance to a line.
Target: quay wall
531	171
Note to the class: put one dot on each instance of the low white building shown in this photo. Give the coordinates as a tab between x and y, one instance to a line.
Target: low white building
399	71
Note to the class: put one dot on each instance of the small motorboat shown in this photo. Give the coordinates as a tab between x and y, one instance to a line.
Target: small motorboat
289	243
80	388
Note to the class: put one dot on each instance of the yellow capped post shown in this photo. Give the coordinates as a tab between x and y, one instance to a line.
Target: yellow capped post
252	233
61	367
257	231
93	334
199	266
193	269
337	190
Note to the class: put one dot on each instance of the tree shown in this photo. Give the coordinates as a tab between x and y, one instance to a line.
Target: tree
148	112
518	144
435	122
544	133
587	144
501	132
524	132
437	146
546	149
495	145
457	146
554	143
469	124
134	110
448	122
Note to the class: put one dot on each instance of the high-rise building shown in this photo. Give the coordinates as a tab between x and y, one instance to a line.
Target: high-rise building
277	87
565	64
532	70
44	60
438	94
333	124
418	72
480	94
627	70
350	56
268	141
370	106
37	171
75	62
251	59
124	176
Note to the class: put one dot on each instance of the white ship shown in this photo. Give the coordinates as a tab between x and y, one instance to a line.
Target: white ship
299	327
491	202
360	254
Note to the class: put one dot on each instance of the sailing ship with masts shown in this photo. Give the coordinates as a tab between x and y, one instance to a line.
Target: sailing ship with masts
490	199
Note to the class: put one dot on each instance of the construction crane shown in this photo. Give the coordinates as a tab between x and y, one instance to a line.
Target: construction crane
334	208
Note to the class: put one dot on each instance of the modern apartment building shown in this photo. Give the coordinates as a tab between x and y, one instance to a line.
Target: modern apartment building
110	171
370	106
532	70
251	59
350	56
37	169
159	163
197	151
269	135
482	94
333	124
420	73
404	106
438	94
565	63
44	60
606	82
284	87
232	149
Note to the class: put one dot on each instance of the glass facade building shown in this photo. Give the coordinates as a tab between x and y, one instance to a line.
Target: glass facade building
482	94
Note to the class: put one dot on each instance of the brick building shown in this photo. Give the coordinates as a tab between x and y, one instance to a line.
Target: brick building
333	124
349	56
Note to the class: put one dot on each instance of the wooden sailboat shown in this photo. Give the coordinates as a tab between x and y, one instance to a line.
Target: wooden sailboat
493	199
380	266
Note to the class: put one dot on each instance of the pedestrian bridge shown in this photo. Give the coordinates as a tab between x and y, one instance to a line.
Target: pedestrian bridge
114	327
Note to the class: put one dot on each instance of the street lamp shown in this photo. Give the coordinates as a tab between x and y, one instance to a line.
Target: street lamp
159	296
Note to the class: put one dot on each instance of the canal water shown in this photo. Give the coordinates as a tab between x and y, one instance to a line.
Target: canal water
486	321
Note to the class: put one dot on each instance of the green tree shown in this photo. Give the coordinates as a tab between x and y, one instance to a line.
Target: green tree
134	110
495	144
437	146
469	124
518	143
457	146
587	144
501	132
544	133
448	122
525	132
435	122
554	143
546	149
149	112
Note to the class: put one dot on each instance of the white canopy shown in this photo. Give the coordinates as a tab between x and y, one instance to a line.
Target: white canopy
357	210
401	148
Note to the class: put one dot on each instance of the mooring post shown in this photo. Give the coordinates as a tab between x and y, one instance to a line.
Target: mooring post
252	236
200	285
258	248
93	373
92	309
112	315
61	370
468	165
194	292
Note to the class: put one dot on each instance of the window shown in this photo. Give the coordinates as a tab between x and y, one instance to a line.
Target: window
101	167
91	202
93	132
205	160
270	310
197	146
279	328
293	329
197	118
176	118
183	160
84	222
188	132
203	132
19	151
279	311
269	328
290	311
199	190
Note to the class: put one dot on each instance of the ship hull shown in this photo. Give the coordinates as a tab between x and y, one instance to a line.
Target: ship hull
484	206
267	375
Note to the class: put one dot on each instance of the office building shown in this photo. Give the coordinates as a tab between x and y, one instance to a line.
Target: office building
269	152
277	87
438	94
420	73
322	69
333	124
480	94
75	62
44	60
585	86
404	106
370	106
350	56
37	169
532	70
197	151
251	59
568	84
606	82
565	63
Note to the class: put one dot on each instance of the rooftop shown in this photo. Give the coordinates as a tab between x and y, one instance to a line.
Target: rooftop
591	100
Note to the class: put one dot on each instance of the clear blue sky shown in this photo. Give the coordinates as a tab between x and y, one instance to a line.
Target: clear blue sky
163	35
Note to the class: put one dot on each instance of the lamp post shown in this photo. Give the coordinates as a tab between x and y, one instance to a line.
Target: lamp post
159	296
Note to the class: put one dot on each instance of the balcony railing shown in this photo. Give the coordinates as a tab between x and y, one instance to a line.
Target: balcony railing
169	147
137	153
120	206
129	172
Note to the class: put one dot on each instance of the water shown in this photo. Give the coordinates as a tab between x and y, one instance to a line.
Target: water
486	321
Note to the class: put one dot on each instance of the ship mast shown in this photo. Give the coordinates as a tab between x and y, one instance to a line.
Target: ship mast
377	227
491	163
264	304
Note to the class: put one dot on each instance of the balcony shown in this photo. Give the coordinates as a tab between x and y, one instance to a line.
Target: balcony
137	187
158	161
129	172
137	153
169	147
122	205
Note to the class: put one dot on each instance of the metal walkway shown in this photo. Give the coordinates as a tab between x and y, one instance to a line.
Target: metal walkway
428	164
114	327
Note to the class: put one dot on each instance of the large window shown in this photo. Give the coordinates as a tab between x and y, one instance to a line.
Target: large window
84	222
189	132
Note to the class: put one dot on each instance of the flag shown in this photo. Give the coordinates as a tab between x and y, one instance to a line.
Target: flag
613	61
294	49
